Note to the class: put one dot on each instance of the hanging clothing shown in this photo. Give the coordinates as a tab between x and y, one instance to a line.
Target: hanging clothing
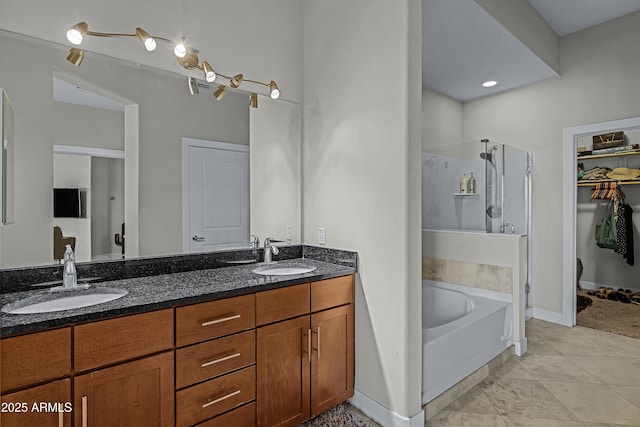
624	232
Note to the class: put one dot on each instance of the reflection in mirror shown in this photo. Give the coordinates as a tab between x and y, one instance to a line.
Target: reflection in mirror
159	111
6	158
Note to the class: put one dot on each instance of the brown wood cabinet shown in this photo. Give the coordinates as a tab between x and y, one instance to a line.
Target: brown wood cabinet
137	393
47	405
305	365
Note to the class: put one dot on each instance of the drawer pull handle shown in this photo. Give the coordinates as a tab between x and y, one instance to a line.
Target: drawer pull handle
224	319
317	348
60	418
84	411
309	344
220	399
222	359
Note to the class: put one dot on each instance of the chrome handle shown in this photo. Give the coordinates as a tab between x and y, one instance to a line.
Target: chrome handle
222	359
220	399
84	411
197	238
318	349
60	418
224	319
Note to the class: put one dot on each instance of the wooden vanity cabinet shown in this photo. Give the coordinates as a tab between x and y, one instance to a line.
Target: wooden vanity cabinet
28	361
121	379
216	363
305	364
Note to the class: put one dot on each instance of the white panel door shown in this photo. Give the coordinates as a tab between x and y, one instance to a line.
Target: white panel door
218	197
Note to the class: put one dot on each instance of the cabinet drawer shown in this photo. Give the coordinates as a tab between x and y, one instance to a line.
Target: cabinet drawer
110	341
216	396
282	303
214	319
331	293
33	358
244	416
213	358
18	408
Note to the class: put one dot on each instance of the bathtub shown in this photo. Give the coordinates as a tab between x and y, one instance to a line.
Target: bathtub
461	332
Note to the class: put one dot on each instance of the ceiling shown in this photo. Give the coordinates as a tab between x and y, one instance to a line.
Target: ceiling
464	45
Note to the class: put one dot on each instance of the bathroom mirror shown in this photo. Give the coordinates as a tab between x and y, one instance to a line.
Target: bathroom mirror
6	158
158	111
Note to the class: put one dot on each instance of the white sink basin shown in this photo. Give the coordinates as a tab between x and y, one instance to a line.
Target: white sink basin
66	300
283	269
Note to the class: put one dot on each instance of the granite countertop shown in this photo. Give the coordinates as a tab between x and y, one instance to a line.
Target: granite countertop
164	291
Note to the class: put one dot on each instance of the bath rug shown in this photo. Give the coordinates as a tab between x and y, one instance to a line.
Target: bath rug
340	416
582	303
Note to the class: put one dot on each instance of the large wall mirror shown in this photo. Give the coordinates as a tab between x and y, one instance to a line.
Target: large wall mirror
109	133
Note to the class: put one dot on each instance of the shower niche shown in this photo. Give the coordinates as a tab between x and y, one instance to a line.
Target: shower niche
501	201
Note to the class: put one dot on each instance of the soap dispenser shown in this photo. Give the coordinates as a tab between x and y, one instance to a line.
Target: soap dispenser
464	182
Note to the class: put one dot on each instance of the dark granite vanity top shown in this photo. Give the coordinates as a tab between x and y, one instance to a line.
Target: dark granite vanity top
159	291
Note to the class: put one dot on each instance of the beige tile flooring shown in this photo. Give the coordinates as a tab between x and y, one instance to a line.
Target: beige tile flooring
569	377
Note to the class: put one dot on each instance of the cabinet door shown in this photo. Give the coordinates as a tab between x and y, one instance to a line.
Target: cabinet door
332	358
283	373
47	405
138	393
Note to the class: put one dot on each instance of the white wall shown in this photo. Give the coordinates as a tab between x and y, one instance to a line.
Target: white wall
361	177
598	82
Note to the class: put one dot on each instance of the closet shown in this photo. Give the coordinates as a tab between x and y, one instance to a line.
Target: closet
609	182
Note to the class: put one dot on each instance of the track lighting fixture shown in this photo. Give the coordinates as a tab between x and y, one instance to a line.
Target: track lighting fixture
235	81
76	33
209	74
274	92
219	93
193	86
75	56
187	58
148	41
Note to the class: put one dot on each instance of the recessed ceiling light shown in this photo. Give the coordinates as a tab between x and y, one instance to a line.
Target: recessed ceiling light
489	83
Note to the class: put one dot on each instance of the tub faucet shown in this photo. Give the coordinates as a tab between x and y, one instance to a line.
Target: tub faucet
504	226
269	250
69	273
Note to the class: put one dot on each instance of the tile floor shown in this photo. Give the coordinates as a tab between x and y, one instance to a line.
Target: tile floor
569	377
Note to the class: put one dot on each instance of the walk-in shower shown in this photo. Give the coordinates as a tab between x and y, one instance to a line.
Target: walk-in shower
501	201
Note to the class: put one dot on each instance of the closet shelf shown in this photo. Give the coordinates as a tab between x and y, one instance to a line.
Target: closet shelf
593	182
601	156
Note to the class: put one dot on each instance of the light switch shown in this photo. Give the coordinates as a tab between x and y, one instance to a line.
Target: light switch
322	236
289	233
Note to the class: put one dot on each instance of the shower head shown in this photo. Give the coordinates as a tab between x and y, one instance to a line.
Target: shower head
489	156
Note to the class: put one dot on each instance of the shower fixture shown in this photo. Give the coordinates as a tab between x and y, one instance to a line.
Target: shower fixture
489	156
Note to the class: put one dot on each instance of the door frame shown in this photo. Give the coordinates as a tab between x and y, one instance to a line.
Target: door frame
202	143
569	209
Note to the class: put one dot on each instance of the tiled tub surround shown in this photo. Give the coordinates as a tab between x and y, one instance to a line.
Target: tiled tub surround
483	276
155	283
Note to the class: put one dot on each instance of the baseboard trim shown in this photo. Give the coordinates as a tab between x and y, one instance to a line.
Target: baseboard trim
383	415
549	316
592	286
520	347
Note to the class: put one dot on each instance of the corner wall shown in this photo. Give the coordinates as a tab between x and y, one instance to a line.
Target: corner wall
361	180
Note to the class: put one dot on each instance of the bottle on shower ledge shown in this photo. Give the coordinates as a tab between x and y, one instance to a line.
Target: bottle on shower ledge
472	184
464	182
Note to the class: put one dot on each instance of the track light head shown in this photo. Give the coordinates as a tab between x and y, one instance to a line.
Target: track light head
219	93
193	86
209	74
236	80
76	33
75	56
274	92
253	100
180	49
148	41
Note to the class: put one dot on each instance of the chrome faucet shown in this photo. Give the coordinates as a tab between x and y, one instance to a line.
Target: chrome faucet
254	241
69	273
269	250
